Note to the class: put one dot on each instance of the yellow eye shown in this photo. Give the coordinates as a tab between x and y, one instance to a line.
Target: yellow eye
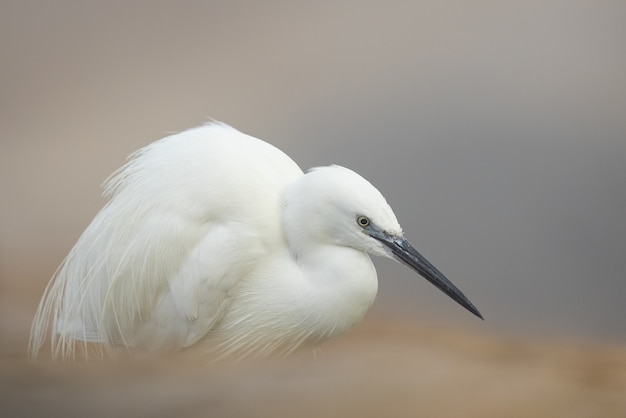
363	221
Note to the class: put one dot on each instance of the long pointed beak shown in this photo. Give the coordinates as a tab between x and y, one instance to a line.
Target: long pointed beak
404	252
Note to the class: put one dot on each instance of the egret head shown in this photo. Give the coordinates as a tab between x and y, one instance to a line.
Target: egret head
335	206
326	203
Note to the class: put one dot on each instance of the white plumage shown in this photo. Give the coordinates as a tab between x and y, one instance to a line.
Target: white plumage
217	239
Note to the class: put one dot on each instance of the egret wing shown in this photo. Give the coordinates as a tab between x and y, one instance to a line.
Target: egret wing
187	218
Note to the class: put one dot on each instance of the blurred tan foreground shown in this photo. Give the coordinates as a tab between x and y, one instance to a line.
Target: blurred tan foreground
379	369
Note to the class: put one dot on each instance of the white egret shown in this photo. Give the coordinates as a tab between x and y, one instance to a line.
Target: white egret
217	239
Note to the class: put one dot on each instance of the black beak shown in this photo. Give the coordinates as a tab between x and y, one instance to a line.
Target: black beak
404	252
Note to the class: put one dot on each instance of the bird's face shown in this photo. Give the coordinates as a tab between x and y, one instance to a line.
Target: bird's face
372	227
343	205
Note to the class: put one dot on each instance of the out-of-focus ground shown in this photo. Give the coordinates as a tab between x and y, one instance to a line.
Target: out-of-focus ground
495	129
380	369
387	366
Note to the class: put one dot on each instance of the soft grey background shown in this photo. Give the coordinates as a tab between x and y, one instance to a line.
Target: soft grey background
496	130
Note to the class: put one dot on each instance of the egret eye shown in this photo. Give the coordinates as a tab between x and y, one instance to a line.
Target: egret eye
363	221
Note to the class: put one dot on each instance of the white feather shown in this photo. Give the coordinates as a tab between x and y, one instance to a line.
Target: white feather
216	239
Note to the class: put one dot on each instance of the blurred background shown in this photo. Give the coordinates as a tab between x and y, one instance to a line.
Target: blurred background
495	129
